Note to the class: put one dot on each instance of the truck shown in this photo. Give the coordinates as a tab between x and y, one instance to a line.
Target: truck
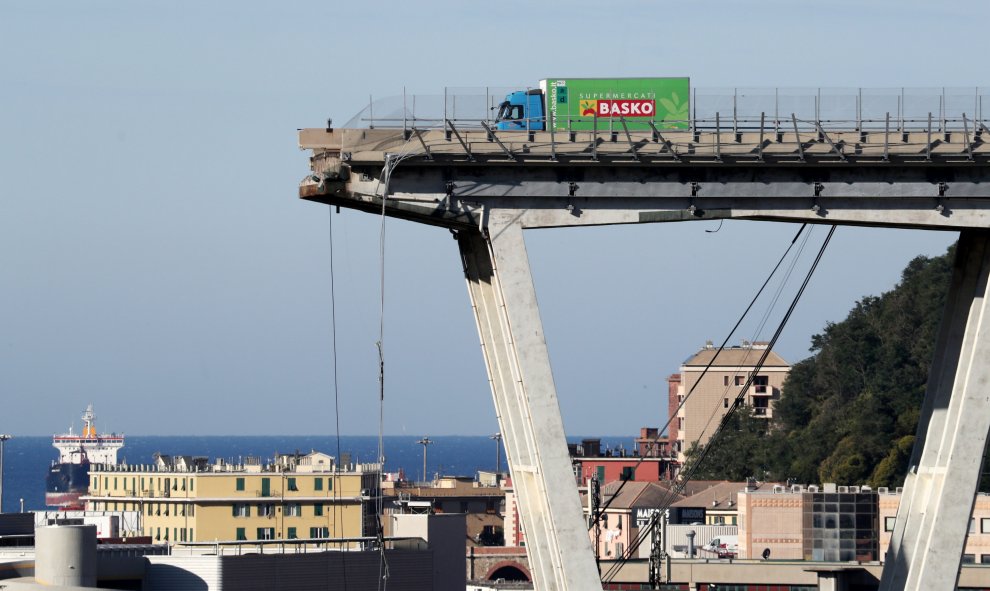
724	546
581	104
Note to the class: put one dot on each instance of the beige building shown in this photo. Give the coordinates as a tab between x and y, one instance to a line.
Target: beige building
836	523
712	394
186	499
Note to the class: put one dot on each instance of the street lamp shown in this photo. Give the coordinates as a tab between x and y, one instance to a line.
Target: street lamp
3	439
498	455
424	442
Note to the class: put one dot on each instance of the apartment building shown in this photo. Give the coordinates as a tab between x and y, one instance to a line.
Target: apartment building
187	499
708	396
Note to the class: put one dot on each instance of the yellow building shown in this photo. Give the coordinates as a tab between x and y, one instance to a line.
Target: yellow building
186	499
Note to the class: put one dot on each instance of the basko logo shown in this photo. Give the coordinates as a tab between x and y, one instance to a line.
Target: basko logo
625	108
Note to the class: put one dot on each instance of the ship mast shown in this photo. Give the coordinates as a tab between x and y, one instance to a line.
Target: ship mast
89	423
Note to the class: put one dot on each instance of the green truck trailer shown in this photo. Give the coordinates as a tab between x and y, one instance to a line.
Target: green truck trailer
575	104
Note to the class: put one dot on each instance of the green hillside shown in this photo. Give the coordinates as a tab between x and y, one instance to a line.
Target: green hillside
848	413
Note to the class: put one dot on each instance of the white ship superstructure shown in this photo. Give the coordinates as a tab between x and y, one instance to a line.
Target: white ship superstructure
90	446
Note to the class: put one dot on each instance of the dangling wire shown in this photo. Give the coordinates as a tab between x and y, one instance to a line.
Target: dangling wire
391	161
335	476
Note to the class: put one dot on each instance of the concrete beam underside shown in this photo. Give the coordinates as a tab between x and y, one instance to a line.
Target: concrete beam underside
503	299
933	517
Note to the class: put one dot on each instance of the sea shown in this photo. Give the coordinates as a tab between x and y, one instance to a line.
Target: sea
27	459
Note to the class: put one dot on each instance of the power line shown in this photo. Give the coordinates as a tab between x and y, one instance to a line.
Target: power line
739	398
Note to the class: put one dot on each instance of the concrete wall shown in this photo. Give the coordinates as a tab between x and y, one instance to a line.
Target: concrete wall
771	521
445	535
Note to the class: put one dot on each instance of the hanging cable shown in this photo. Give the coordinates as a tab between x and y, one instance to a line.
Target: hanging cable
614	570
336	408
379	504
721	347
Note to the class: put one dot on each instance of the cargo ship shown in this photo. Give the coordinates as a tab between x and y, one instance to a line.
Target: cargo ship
68	477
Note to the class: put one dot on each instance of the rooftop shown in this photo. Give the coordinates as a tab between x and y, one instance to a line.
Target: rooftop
746	355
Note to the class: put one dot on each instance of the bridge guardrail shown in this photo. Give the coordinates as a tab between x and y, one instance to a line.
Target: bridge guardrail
904	109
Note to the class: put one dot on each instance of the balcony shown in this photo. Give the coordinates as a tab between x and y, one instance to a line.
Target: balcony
763	390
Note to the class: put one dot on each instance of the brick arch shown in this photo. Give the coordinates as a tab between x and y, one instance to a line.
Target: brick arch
508	563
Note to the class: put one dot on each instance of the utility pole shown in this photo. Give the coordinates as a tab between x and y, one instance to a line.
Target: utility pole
424	442
498	452
3	439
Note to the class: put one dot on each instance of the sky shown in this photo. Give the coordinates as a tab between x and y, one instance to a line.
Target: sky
156	261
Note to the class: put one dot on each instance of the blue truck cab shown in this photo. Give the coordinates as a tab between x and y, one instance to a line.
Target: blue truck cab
522	110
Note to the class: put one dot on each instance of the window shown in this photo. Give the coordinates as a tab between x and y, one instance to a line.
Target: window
318	510
600	474
985	525
984	558
620	549
317	484
240	535
266	533
680	422
292	534
242	510
319	532
628	473
725	403
725	380
267	510
740	380
292	484
240	484
192	483
293	510
969	559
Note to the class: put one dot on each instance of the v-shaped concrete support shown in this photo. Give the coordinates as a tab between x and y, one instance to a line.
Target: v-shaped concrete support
504	302
933	517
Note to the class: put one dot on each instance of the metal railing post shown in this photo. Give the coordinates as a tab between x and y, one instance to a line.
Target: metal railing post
594	136
735	98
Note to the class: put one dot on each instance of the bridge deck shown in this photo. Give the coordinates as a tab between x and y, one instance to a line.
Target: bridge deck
680	147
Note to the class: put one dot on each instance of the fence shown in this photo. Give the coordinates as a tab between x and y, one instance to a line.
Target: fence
736	109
